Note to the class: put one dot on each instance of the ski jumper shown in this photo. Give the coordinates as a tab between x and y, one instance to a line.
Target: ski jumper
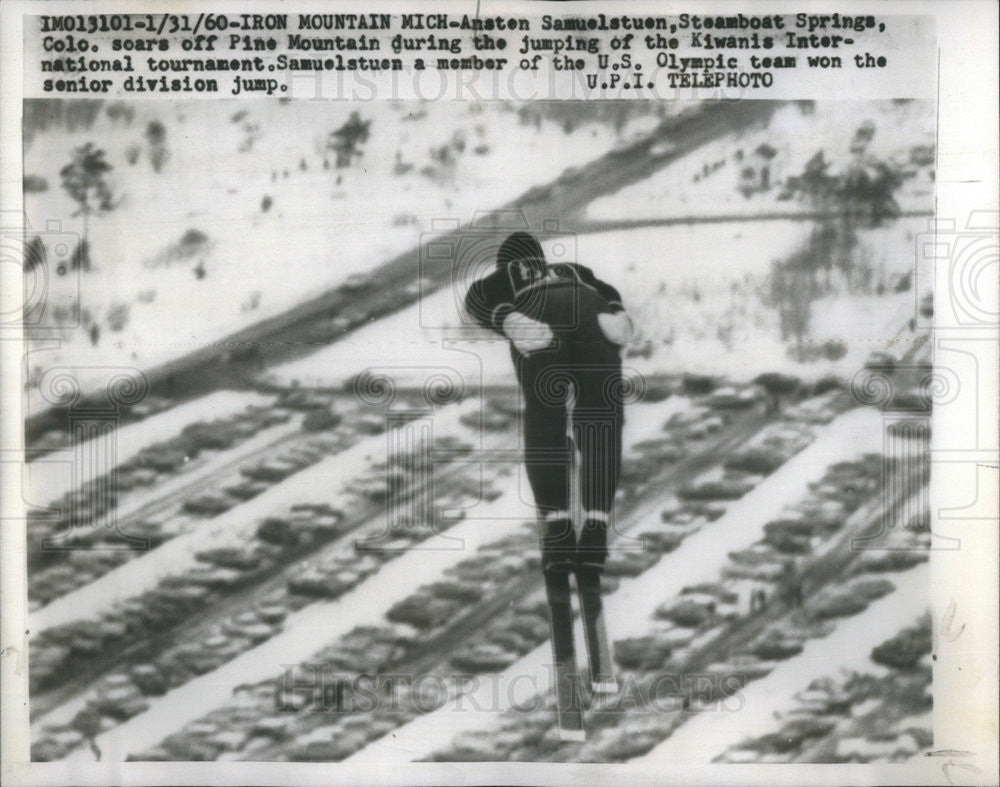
579	362
565	327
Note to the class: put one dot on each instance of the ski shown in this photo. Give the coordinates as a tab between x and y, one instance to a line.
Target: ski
569	704
599	654
600	659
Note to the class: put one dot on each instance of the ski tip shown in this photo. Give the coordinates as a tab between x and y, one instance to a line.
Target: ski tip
575	736
604	687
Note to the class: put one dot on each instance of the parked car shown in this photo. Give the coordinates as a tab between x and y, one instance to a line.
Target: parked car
246	489
269	470
161	460
483	657
304	399
316	581
242	557
209	503
215	435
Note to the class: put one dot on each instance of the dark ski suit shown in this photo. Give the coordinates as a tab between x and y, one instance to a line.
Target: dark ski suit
580	362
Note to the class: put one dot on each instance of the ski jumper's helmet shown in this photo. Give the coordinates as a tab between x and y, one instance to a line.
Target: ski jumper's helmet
522	257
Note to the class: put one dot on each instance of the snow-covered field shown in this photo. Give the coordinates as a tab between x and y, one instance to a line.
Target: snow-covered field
696	294
699	294
707	182
246	221
243	200
702	294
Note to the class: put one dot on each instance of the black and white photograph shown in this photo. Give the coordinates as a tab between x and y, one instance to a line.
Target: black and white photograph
399	433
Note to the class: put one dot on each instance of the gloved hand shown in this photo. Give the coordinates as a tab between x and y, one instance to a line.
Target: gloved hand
617	327
527	334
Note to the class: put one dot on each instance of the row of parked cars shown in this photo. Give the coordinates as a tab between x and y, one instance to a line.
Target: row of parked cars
55	439
496	570
497	645
687	629
221	571
92	550
859	715
360	656
79	511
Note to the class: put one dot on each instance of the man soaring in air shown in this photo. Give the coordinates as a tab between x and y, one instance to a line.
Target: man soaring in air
566	329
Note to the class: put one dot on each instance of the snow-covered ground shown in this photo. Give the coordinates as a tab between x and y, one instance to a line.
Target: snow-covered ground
700	295
696	292
266	222
49	478
706	183
400	345
268	236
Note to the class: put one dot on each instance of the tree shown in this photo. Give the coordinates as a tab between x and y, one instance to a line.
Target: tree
156	135
816	185
84	179
868	192
346	139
